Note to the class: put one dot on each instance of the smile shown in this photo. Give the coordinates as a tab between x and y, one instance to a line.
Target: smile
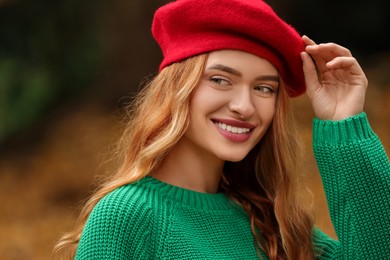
232	129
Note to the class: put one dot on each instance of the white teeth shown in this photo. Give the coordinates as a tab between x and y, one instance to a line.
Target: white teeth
233	129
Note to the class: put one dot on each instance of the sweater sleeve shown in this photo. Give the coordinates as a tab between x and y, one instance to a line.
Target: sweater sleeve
117	228
355	171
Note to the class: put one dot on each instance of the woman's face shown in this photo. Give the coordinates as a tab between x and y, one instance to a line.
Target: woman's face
233	105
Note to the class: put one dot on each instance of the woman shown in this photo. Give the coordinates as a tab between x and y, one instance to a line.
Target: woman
210	155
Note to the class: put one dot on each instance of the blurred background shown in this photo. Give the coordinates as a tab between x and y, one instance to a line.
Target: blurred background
68	68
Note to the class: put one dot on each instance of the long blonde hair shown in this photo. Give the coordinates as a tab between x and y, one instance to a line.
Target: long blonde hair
159	118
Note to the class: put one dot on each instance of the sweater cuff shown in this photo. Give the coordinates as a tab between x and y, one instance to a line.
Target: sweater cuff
348	130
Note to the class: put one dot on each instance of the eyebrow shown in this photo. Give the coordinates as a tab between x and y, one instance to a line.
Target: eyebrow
239	74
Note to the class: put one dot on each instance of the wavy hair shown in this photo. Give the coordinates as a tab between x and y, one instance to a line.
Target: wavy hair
266	184
263	183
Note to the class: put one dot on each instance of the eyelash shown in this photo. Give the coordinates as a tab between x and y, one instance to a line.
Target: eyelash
263	89
219	79
267	88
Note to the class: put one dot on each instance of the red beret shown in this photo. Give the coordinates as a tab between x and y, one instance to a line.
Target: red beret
186	28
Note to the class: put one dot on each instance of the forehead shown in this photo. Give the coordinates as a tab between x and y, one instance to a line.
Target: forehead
241	61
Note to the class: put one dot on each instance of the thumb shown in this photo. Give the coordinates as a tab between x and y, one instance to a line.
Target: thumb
310	72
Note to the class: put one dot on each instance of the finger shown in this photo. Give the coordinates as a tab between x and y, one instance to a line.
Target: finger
345	62
318	58
329	50
310	72
326	52
307	40
341	62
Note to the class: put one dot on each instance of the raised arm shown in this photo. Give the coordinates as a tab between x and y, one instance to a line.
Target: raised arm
353	163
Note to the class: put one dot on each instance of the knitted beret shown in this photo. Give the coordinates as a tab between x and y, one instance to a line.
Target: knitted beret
186	28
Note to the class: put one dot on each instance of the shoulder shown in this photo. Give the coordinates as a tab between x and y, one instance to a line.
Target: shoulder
129	205
118	224
127	199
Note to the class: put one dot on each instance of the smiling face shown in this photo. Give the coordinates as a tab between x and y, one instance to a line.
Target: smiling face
233	105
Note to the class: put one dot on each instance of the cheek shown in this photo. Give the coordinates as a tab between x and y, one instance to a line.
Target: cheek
266	110
206	100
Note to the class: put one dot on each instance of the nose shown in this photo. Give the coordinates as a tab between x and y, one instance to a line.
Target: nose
242	104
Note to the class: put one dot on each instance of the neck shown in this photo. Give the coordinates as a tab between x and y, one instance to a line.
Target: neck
190	169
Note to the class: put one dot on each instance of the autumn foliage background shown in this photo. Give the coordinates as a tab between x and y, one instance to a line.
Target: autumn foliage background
68	68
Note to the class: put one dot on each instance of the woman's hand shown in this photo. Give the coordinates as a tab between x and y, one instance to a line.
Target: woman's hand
335	82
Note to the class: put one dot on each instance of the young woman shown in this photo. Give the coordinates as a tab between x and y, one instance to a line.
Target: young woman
210	156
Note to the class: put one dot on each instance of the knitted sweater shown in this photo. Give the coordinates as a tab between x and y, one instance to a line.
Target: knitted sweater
150	219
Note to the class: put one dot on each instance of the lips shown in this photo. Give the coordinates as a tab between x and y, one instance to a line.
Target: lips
233	130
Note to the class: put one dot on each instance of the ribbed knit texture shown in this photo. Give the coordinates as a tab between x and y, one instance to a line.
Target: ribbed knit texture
150	219
355	171
153	220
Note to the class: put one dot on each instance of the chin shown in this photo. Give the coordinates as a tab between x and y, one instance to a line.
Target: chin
234	158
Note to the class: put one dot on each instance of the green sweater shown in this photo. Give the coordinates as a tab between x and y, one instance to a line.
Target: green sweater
150	219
